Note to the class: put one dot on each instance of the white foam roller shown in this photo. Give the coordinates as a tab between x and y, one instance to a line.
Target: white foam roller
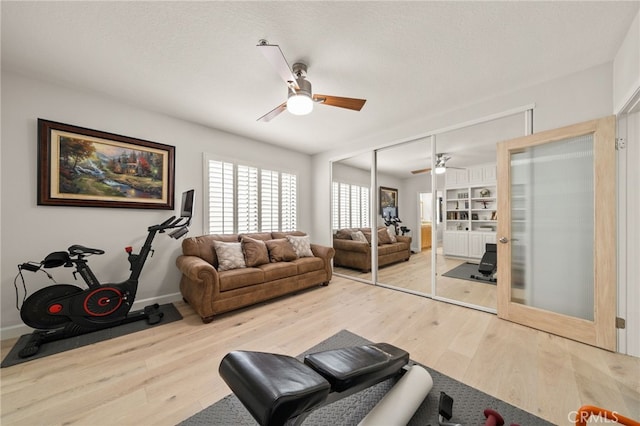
401	402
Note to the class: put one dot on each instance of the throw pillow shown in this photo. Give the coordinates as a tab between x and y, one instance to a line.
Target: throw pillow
229	256
255	252
301	245
392	235
280	250
383	236
358	236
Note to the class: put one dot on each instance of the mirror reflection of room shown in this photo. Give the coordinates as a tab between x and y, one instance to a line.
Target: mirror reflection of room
467	260
350	204
448	214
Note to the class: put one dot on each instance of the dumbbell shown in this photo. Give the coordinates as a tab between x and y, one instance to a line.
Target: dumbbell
493	418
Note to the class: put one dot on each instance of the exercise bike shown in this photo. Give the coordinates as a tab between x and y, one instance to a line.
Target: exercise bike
60	311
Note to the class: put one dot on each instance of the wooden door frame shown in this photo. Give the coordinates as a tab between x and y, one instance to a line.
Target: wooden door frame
601	331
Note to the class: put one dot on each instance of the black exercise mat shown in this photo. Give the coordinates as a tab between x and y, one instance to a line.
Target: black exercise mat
171	314
464	272
468	408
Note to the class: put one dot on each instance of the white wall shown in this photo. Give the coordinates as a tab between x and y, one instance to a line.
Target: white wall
626	67
30	232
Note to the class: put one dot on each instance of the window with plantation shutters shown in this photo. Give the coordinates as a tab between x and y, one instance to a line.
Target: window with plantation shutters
221	195
243	199
270	200
247	199
288	201
350	206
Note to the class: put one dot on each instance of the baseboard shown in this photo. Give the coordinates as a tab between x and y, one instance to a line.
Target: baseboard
20	329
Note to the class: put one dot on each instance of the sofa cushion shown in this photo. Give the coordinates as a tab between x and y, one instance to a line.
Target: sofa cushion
255	251
391	248
301	245
345	234
358	236
238	278
367	235
279	270
279	235
264	236
383	237
202	246
229	255
280	250
309	264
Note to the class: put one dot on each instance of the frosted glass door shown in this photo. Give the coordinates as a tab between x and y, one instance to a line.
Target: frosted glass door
557	239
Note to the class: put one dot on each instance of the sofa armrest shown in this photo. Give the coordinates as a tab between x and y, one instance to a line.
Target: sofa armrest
324	252
195	268
403	239
199	285
351	245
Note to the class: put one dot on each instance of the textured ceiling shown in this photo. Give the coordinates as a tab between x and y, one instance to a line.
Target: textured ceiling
198	61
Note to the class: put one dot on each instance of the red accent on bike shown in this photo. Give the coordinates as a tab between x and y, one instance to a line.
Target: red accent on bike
118	296
55	308
103	301
128	249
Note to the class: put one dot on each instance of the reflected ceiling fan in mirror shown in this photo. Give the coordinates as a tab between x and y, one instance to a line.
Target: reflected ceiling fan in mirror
300	98
441	165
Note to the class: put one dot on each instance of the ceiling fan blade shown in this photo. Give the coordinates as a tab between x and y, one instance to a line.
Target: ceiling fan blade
348	103
417	172
275	56
273	113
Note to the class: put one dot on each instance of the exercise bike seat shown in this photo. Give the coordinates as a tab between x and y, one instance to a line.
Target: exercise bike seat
78	249
276	388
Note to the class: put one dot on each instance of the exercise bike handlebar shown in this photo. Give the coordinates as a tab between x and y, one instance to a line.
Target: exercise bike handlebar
170	223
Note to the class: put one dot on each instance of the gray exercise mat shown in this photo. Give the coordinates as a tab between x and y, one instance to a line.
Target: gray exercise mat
170	312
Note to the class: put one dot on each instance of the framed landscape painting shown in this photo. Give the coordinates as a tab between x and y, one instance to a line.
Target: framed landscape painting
90	168
388	202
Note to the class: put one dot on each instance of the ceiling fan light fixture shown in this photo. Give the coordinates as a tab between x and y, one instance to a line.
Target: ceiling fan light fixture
300	101
440	164
299	104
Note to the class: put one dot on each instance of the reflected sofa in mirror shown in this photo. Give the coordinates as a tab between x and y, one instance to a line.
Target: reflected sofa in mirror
350	209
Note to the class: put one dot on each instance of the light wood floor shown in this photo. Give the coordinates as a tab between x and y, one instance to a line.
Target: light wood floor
164	375
415	275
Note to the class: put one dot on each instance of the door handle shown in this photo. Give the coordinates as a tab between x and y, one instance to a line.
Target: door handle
504	240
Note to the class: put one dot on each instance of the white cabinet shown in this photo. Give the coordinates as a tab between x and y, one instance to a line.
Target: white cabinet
470	211
482	174
478	242
456	243
456	177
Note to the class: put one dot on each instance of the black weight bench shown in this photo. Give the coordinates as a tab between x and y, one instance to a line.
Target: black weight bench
488	264
279	389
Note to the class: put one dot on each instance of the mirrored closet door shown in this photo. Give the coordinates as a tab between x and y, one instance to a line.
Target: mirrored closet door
404	246
350	213
467	260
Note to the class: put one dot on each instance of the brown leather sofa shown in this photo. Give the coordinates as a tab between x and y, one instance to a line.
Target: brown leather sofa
357	254
210	291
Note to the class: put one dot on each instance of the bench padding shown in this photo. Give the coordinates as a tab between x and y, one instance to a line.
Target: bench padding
275	388
349	367
272	387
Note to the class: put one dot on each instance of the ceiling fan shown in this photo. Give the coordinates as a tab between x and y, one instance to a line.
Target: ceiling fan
441	165
300	99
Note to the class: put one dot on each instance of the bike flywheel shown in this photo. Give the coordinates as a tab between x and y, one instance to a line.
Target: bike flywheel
38	311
